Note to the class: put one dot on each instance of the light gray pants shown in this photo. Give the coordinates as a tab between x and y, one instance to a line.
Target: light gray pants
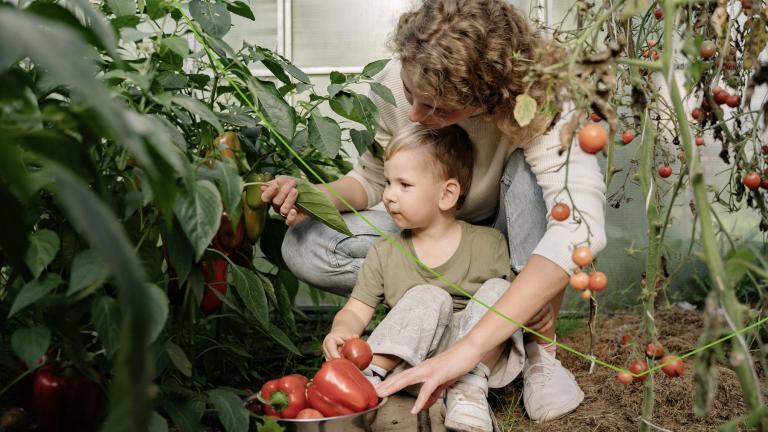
330	260
423	324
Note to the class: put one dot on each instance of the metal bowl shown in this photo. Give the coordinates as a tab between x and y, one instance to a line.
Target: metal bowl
357	422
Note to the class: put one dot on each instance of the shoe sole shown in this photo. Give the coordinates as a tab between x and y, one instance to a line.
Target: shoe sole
451	425
578	401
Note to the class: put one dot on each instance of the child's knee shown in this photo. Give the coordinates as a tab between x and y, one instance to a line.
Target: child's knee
492	290
429	296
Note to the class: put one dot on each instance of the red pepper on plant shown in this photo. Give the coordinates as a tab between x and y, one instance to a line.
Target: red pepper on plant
215	273
63	400
227	239
339	388
284	397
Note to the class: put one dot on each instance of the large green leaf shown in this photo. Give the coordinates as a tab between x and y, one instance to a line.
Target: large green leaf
157	304
383	92
374	67
34	291
185	413
355	107
88	270
324	135
122	7
43	246
314	203
157	423
177	44
277	111
241	8
213	17
199	213
232	414
30	343
362	139
94	220
251	290
105	315
230	186
178	358
20	109
736	264
199	109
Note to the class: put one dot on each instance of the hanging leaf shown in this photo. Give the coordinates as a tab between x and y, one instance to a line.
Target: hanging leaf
242	9
362	139
525	109
212	17
157	304
199	109
383	92
105	315
232	413
34	291
314	203
31	343
157	423
324	135
178	358
199	213
43	246
88	270
251	290
375	67
277	111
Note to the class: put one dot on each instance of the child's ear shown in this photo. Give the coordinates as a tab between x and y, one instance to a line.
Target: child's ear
450	195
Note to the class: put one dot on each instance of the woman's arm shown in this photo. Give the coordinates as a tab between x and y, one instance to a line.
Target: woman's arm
538	282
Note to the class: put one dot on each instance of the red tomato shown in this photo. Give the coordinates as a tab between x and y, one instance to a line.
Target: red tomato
707	49
658	13
764	149
699	141
673	366
716	90
592	138
580	281
597	281
637	367
597	118
764	183
720	97
625	378
696	113
655	56
582	256
665	171
627	136
358	352
654	350
651	43
624	339
733	101
309	413
560	212
752	180
746	4
730	65
646	53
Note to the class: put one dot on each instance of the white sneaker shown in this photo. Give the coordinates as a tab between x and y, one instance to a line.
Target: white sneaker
374	377
550	391
466	404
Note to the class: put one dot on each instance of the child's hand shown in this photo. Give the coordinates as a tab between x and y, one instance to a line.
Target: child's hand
333	342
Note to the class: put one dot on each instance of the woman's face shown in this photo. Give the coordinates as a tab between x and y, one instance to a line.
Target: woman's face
426	111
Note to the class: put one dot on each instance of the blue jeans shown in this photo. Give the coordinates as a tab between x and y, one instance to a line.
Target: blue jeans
330	260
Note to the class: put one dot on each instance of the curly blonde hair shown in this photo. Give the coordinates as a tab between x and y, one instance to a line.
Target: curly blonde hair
476	53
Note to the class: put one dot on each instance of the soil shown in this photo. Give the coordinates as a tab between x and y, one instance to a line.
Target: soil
611	406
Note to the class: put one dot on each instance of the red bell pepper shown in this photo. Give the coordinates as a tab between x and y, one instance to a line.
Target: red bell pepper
65	400
227	239
339	388
284	397
215	273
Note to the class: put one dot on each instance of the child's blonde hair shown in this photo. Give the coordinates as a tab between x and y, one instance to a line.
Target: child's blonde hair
449	149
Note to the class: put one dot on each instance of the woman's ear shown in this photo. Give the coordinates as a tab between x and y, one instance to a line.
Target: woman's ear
450	195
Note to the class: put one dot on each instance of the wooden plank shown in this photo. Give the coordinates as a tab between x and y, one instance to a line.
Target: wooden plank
396	416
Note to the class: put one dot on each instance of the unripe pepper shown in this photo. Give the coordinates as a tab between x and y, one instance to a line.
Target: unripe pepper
253	192
284	397
339	388
215	273
254	220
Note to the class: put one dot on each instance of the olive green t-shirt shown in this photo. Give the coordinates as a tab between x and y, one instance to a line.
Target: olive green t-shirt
387	273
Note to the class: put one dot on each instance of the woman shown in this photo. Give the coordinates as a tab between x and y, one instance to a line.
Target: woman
464	62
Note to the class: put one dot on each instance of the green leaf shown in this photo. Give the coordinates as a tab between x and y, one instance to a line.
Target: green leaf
274	107
251	290
177	44
184	413
338	77
270	425
314	203
199	213
324	135
43	247
737	264
30	343
525	109
356	107
383	92
285	307
20	110
232	414
230	186
241	8
178	358
280	337
157	423
88	270
199	109
34	291
105	315
362	139
157	304
212	17
375	67
633	8
122	7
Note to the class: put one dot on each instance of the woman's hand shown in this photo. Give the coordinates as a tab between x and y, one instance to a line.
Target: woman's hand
282	194
435	374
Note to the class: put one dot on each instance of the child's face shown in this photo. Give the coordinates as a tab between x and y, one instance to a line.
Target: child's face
413	191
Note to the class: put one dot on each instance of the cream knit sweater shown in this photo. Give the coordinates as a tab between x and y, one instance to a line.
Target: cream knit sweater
492	150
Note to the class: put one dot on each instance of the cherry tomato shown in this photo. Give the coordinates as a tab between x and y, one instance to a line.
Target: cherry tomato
580	281
655	56
720	97
665	171
716	90
586	294
733	101
309	413
696	113
597	118
764	149
752	180
597	281
673	366
624	339
358	352
592	138
651	43
646	53
699	141
707	49
764	183
560	212
582	256
627	136
637	367
730	65
625	378
658	13
654	350
746	4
